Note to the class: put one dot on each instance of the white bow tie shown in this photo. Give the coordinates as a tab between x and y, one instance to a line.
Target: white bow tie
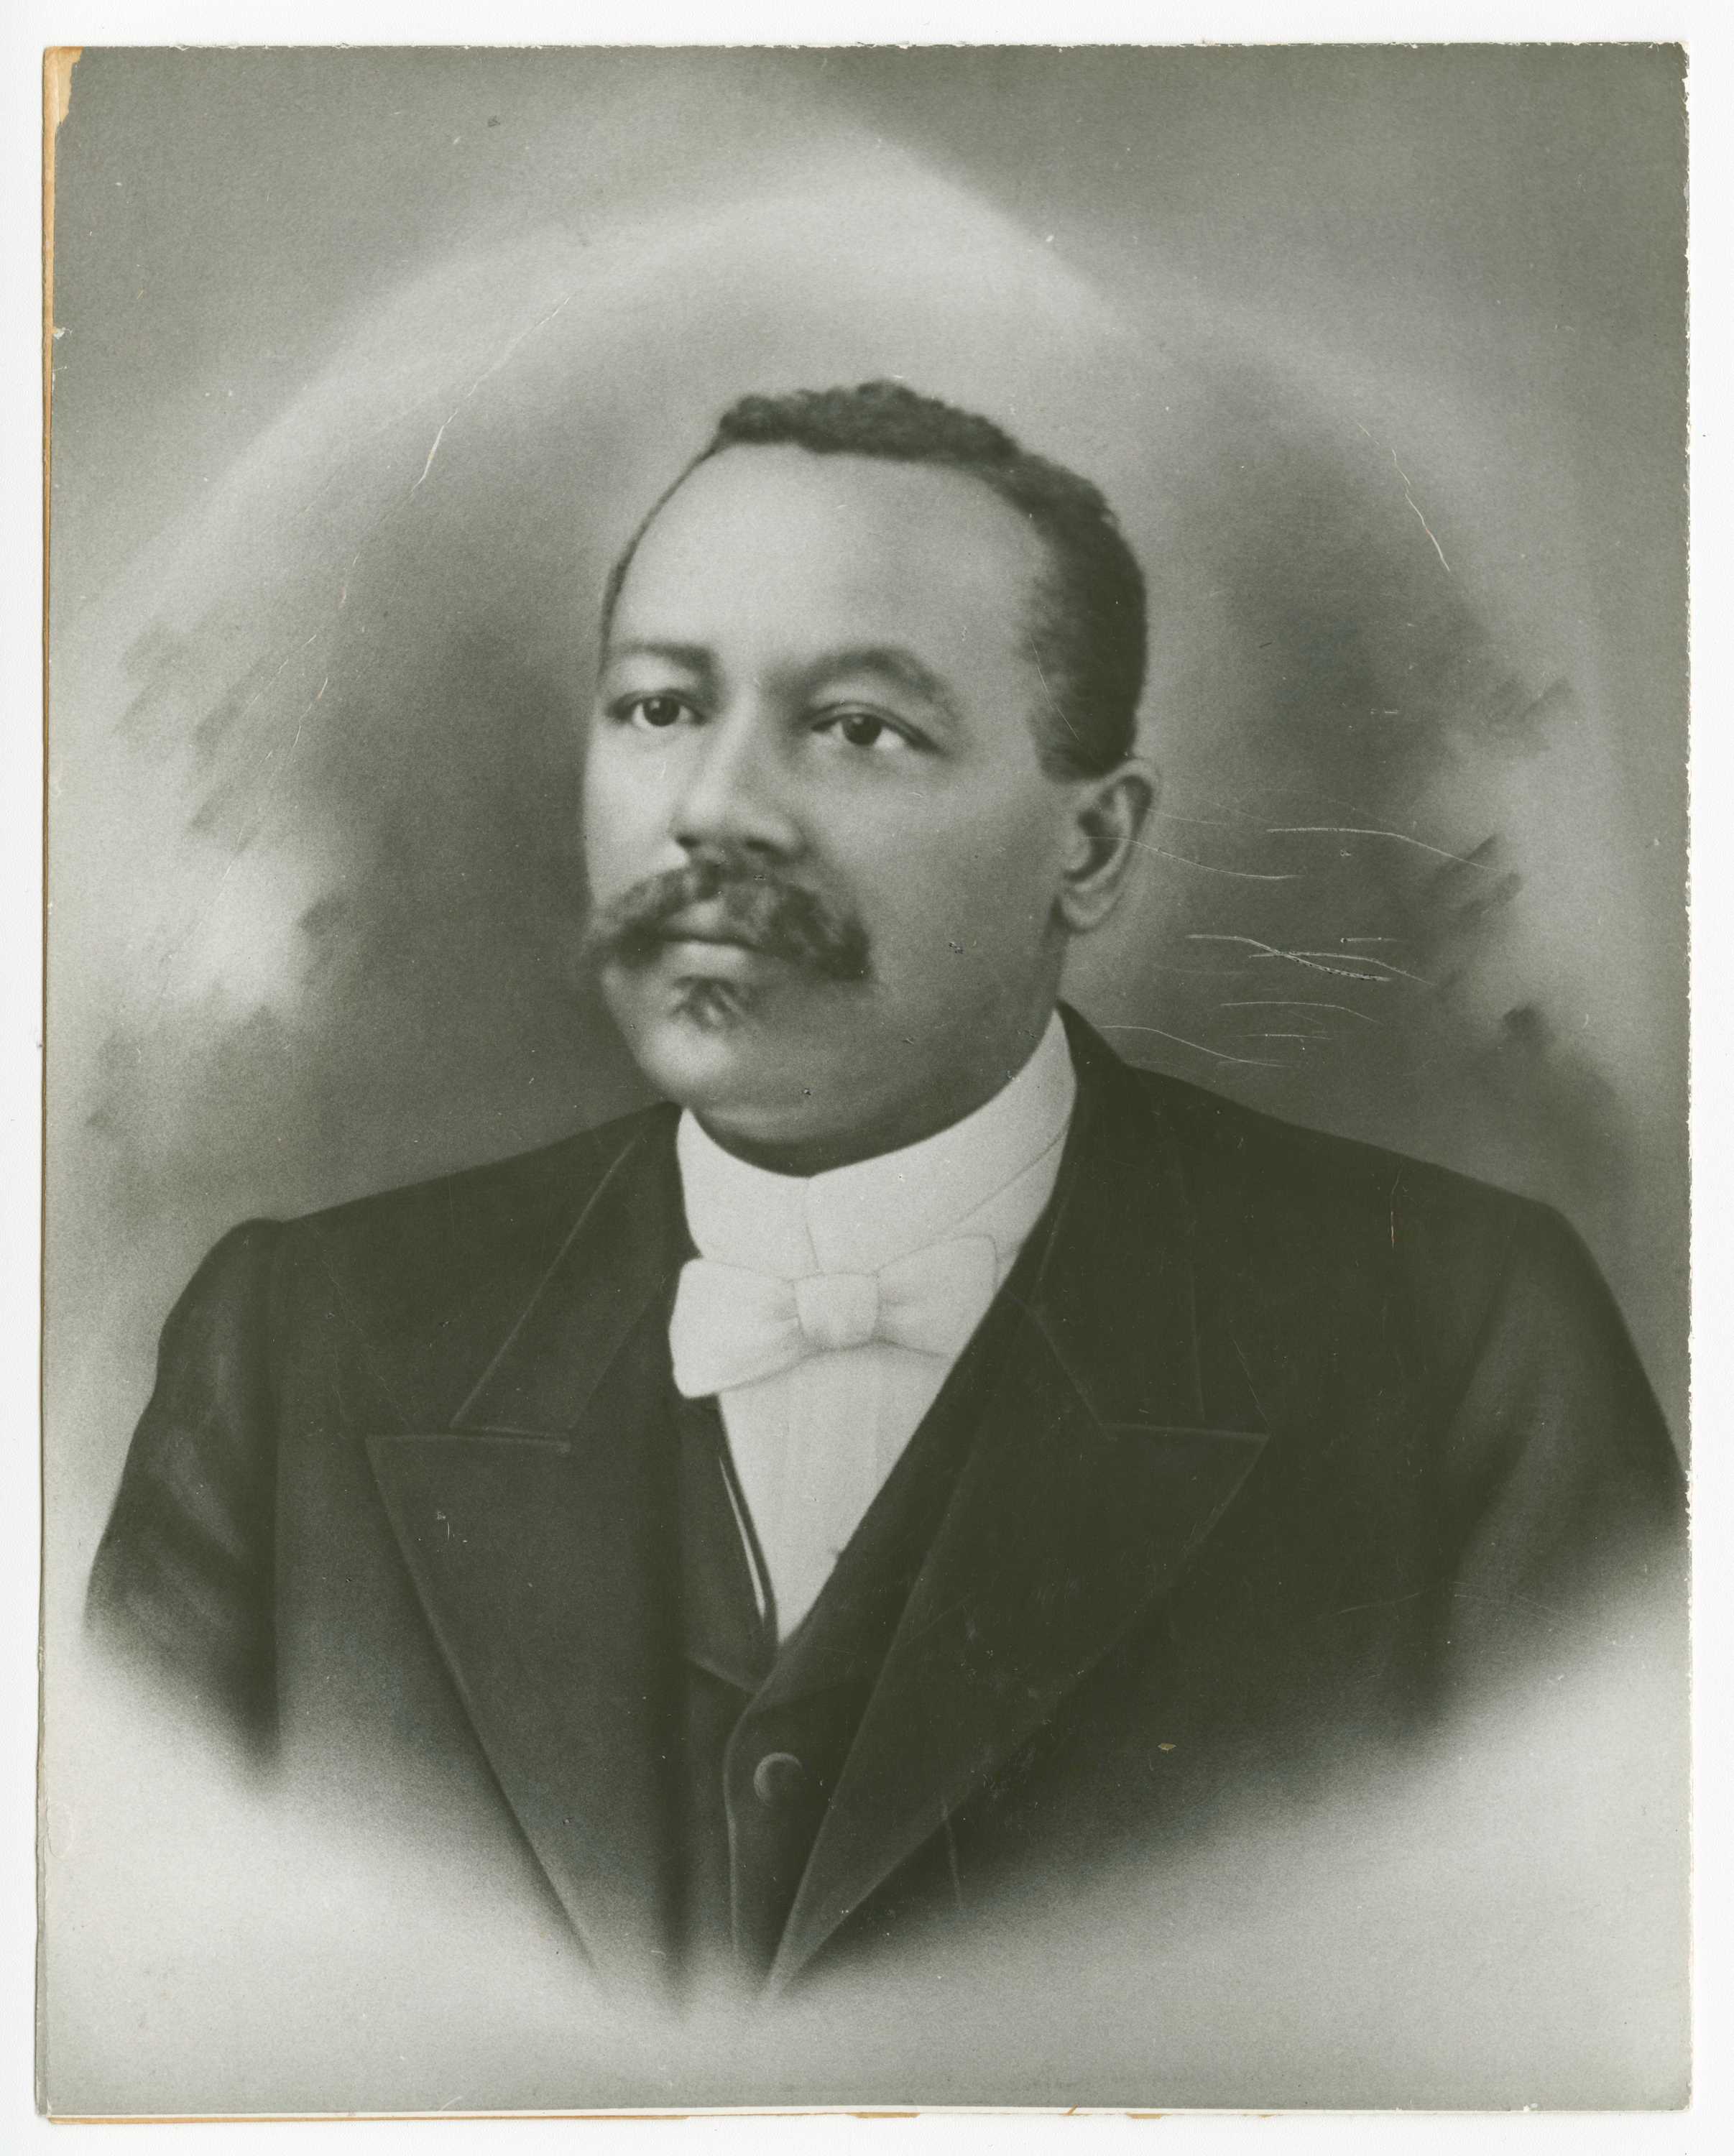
731	1326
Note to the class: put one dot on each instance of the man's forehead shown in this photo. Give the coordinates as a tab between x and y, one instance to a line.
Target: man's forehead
869	537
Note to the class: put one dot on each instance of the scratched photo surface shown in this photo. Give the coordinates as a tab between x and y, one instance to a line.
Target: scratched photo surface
366	367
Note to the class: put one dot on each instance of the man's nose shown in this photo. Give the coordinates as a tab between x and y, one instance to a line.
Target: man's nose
735	792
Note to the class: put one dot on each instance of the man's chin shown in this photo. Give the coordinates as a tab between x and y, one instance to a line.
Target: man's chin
713	1006
710	1036
707	988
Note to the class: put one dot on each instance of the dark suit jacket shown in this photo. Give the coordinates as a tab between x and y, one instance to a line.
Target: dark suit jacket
1286	1445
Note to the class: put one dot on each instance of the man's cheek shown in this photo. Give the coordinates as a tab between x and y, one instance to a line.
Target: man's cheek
990	909
616	797
615	845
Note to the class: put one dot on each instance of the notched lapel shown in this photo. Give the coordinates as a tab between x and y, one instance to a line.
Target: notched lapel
1102	1462
538	1532
1061	1533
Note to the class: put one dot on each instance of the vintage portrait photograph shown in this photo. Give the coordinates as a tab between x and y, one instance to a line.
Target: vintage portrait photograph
866	1209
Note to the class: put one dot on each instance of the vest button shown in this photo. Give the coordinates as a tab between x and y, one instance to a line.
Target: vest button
778	1777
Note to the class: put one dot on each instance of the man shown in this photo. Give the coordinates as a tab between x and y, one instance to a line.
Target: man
927	1461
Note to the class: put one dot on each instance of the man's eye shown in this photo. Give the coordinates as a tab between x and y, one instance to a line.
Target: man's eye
654	713
865	730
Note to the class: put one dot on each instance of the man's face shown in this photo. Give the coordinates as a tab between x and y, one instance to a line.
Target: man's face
822	851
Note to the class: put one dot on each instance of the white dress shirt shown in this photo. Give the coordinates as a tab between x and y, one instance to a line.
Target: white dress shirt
813	1443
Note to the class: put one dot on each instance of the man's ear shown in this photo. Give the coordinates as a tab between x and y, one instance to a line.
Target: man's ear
1108	814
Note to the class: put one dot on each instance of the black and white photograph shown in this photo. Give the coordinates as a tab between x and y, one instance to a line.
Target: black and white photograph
865	1271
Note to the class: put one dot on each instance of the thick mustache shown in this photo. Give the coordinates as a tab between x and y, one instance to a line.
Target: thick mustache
782	920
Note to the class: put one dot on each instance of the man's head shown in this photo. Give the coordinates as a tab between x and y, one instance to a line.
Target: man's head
860	767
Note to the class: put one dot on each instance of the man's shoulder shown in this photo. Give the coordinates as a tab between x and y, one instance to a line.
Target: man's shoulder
1300	1164
498	1219
564	1169
1332	1247
1293	1203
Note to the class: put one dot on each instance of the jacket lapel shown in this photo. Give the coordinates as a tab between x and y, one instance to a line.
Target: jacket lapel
1105	1457
539	1531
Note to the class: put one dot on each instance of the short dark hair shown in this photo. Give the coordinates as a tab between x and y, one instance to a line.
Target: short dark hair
1088	635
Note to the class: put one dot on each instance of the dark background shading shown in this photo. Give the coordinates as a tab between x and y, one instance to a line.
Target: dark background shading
366	362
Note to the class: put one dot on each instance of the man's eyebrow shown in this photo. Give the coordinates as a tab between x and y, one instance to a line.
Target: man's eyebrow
900	665
693	658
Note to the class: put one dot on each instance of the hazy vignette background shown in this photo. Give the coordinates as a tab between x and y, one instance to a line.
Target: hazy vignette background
367	361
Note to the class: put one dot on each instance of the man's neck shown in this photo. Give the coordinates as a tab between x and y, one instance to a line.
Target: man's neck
902	1123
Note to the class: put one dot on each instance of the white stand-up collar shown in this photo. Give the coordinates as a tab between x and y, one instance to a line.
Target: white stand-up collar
871	1213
